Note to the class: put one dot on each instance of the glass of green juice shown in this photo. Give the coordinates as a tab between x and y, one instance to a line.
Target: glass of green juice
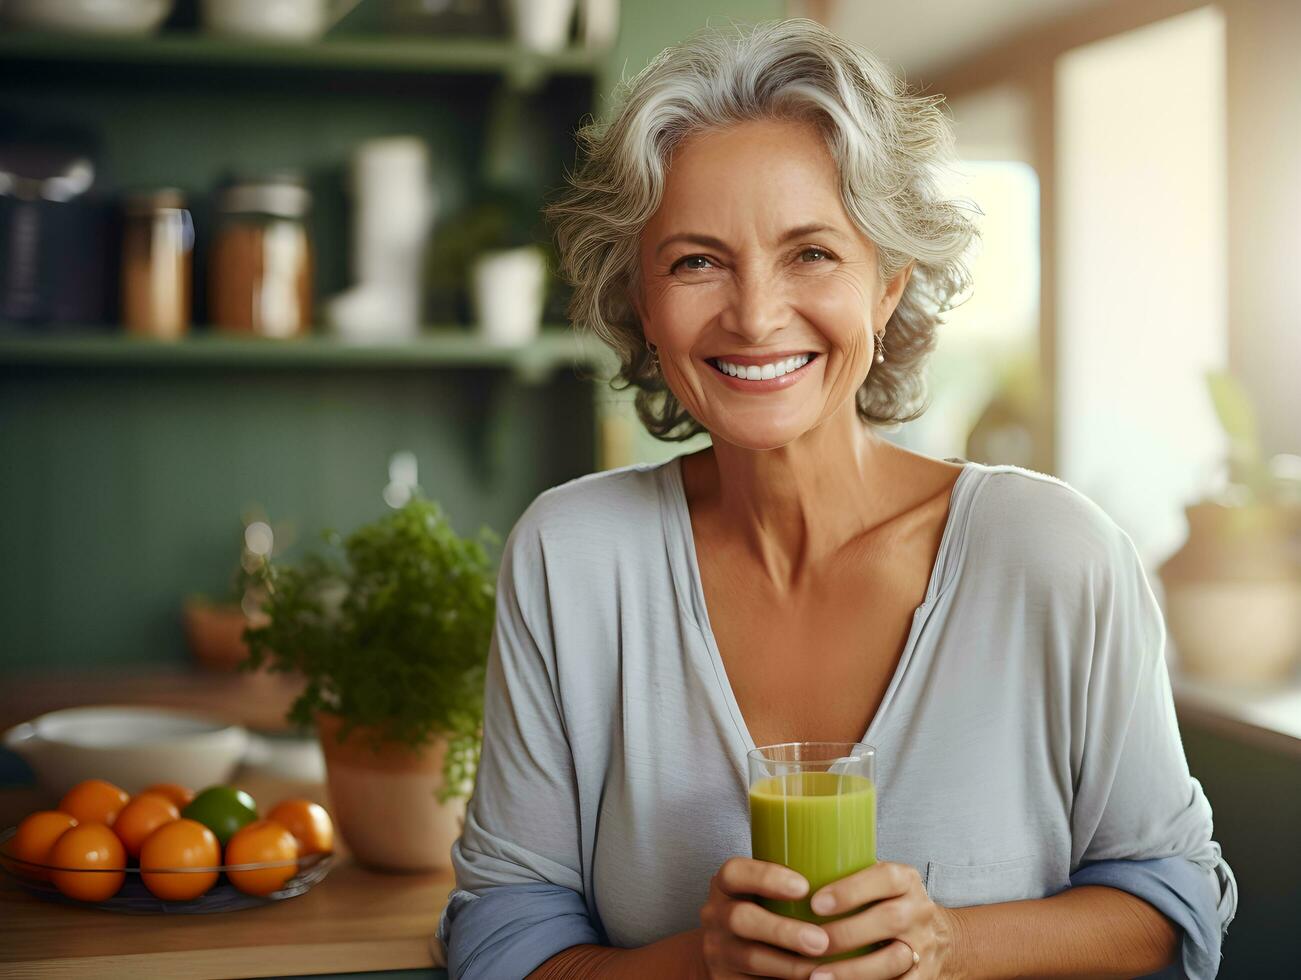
813	809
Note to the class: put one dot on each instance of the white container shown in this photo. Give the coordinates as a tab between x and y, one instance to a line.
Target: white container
508	289
274	20
542	25
130	746
119	17
598	23
394	203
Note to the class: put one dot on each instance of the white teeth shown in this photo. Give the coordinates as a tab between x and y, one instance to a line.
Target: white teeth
763	372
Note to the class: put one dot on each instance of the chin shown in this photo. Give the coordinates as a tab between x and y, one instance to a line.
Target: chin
758	435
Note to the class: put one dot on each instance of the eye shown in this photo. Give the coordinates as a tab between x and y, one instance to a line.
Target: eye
681	263
821	253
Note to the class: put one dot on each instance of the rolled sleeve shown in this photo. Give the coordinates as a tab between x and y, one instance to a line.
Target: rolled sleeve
1187	894
510	931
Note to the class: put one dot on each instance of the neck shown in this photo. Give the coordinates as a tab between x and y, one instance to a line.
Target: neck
796	507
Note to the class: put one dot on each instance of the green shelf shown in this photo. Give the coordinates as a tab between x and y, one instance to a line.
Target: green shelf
555	349
374	54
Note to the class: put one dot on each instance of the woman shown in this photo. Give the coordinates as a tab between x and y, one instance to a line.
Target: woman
758	234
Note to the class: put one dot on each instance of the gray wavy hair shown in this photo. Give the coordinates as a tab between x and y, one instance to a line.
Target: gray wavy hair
889	143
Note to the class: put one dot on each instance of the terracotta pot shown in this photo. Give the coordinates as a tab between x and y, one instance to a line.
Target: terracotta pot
1233	594
384	801
215	633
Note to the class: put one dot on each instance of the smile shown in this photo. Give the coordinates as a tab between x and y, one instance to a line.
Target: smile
761	372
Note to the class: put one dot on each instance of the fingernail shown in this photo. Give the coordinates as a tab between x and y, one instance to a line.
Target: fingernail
823	904
822	975
796	885
814	939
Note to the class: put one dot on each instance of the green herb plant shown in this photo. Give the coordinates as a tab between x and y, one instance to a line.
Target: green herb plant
393	638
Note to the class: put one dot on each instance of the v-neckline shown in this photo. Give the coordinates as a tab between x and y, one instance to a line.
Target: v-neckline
699	610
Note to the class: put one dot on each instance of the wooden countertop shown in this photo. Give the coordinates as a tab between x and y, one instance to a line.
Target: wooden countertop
354	920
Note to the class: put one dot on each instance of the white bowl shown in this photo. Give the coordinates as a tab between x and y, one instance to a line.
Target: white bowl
131	746
119	17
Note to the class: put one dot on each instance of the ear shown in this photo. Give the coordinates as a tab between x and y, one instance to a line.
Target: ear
893	293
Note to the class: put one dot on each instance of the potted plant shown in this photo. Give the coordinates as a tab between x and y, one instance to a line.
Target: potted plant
495	253
1233	591
392	639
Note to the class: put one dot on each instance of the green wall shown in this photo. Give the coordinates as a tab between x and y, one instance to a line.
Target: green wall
123	490
649	26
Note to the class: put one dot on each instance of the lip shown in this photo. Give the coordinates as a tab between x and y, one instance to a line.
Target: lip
771	384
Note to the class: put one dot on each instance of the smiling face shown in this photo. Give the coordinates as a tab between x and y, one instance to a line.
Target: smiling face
751	266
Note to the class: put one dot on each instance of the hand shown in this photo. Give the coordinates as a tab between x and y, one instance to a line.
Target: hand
741	938
900	915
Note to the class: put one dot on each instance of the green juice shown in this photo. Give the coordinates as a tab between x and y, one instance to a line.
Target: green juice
822	825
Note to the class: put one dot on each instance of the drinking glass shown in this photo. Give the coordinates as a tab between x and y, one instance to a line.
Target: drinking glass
813	809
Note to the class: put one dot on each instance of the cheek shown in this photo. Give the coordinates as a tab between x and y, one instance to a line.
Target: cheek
679	313
837	307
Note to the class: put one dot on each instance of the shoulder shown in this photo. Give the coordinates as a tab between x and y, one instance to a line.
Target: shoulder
594	503
590	517
1031	520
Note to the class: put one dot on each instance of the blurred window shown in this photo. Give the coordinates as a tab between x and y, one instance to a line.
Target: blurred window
983	378
1141	265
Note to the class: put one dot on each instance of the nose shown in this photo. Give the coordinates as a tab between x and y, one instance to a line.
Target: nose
757	308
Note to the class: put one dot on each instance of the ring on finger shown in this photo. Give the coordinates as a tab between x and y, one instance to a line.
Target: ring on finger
917	957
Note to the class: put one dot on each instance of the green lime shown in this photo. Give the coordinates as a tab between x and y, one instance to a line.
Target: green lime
222	809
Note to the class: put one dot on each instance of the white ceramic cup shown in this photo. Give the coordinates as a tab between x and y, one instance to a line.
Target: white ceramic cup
508	287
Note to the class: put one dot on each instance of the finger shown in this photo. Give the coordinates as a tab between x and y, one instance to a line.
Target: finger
760	960
894	960
747	920
883	880
882	921
747	876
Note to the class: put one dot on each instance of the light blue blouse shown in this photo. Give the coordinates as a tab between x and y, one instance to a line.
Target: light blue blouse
1026	742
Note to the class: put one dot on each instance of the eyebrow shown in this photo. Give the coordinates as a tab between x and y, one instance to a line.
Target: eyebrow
710	242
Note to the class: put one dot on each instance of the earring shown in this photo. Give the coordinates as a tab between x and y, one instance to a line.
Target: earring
655	354
880	348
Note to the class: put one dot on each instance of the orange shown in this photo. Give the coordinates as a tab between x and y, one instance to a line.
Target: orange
308	822
262	841
94	801
178	794
141	817
95	861
180	844
34	839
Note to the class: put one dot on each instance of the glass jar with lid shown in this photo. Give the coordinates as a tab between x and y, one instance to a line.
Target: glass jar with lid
157	253
260	269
